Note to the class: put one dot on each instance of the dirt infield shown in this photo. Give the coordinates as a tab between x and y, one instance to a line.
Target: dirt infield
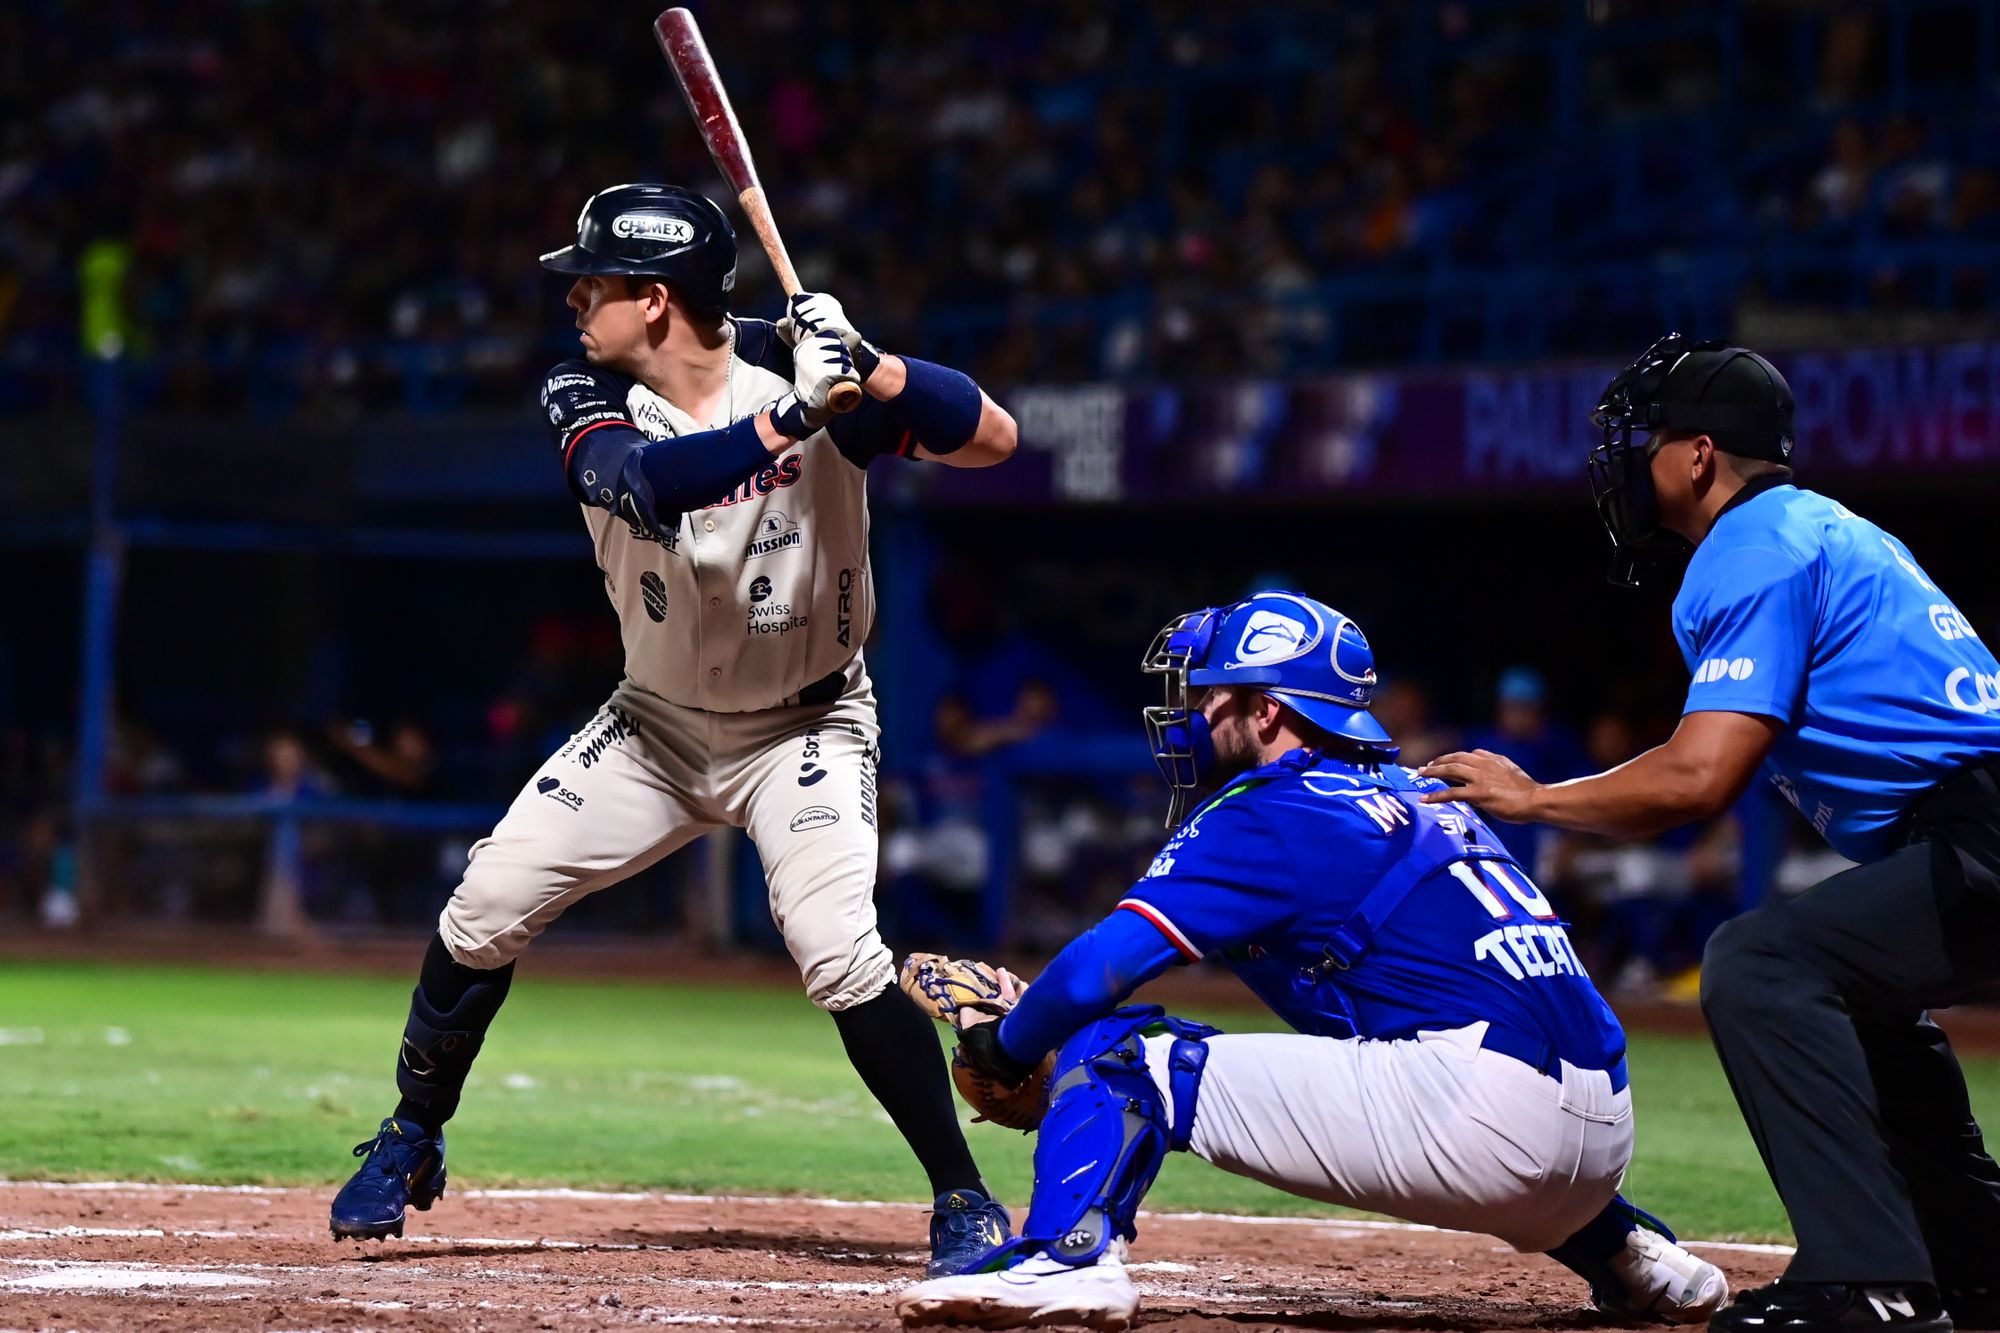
173	1257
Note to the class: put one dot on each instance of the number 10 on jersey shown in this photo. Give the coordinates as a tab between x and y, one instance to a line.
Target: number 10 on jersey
1537	948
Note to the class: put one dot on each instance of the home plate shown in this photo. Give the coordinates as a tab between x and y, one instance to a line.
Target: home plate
122	1277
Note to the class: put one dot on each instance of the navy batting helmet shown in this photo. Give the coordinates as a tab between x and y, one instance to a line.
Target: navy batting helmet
656	231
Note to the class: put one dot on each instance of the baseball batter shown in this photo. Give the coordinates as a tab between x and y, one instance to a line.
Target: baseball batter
728	509
1450	1063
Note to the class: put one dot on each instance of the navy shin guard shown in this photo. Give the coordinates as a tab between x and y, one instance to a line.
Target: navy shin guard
450	1010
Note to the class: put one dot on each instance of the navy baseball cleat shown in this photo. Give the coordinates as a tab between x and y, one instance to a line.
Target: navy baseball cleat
965	1225
405	1167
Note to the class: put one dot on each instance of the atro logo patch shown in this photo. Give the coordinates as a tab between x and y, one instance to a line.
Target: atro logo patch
1715	668
814	816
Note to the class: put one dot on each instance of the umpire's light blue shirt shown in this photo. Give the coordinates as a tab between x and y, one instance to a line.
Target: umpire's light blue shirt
1798	610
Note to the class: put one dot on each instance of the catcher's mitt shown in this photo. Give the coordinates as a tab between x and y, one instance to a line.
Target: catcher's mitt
971	997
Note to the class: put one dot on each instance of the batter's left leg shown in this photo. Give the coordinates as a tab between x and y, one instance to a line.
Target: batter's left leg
811	812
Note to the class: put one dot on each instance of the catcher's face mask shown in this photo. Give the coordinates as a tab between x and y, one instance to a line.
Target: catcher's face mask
1182	746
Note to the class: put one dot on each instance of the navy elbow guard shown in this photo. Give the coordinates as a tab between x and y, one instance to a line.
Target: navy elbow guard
651	483
939	405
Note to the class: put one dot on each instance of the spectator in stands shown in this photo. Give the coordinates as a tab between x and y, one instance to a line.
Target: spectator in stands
1838	191
357	247
1405	710
402	764
1914	182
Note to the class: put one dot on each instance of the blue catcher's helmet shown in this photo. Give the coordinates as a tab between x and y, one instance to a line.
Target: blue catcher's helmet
1307	655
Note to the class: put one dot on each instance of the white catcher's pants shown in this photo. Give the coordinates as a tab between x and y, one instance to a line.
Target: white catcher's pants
645	777
1432	1130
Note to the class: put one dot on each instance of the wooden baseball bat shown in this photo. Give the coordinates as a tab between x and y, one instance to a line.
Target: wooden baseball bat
708	102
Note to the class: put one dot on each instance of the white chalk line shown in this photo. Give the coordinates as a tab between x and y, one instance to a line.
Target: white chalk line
84	1277
636	1196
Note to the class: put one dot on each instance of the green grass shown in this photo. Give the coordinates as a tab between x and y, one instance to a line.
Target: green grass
162	1073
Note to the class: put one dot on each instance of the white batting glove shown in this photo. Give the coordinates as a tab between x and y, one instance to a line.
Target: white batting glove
819	363
808	313
793	418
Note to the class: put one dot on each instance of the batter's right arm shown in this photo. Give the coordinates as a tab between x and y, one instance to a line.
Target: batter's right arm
611	464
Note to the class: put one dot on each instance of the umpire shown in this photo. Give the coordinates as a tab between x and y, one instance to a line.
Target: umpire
1820	649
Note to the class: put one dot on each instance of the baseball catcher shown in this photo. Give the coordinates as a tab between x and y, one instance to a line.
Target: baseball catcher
1449	1063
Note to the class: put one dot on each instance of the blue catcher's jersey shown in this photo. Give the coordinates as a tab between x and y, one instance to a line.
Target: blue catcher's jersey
1798	610
1268	872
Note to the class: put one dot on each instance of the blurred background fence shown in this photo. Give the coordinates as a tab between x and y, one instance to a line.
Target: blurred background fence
1318	294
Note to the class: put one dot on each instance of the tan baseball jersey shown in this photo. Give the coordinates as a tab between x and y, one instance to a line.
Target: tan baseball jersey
762	594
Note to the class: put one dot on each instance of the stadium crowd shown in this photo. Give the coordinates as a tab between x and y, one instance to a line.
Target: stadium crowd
329	206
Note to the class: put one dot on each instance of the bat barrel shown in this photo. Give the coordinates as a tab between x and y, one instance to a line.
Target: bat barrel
694	69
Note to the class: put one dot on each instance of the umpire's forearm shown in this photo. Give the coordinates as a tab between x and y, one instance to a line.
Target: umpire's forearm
1700	771
1634	800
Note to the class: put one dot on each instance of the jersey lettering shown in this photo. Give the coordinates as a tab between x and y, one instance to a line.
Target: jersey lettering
1535	950
1523	890
1388	812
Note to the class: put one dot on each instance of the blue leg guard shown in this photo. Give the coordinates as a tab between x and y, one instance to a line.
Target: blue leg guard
1107	1131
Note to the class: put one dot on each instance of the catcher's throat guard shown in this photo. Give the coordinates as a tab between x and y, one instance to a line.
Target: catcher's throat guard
1178	734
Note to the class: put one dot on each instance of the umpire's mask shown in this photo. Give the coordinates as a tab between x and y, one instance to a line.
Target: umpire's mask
1731	394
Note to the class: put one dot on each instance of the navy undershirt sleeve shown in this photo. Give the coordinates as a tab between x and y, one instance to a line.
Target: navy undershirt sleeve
611	464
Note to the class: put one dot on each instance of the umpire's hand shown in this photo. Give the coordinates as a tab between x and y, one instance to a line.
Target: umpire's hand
1492	783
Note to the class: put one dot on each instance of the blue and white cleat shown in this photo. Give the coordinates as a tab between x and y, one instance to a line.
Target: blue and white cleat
405	1168
1032	1292
1657	1277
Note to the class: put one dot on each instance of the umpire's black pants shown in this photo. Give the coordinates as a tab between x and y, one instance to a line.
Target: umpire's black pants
1817	1006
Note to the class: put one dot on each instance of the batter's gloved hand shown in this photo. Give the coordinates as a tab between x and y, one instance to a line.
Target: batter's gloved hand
808	313
793	417
820	362
972	997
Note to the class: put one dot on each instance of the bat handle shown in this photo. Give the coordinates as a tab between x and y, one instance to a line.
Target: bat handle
844	397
